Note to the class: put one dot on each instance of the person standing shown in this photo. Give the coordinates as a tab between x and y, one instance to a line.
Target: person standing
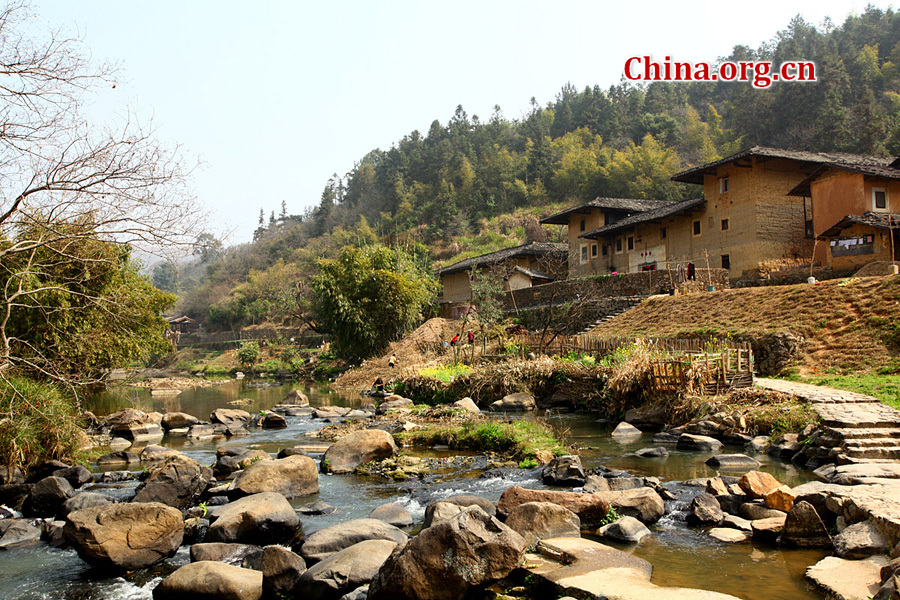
392	361
471	337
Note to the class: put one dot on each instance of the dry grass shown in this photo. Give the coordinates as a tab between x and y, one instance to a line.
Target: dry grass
846	324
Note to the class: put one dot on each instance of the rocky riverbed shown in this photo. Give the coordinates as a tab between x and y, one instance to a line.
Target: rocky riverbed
243	524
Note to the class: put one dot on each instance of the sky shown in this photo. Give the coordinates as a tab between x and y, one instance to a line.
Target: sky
274	97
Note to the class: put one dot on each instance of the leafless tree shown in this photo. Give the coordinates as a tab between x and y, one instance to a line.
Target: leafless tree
66	181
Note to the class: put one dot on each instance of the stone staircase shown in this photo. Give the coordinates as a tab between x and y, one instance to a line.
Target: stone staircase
856	428
628	302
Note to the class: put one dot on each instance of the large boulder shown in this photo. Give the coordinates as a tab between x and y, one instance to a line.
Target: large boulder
627	530
291	477
590	508
519	402
134	425
280	567
698	443
177	420
230	417
178	482
447	560
648	417
445	508
803	528
757	484
233	554
625	431
357	448
324	542
207	580
393	514
644	503
47	497
860	540
468	405
536	521
229	460
83	500
125	537
77	476
264	518
344	571
564	471
704	510
15	533
732	461
295	398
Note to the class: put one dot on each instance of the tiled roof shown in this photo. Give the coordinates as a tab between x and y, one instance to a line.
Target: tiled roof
885	172
871	219
622	204
533	273
539	249
668	210
696	174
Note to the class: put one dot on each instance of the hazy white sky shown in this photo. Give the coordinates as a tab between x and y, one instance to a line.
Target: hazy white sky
274	97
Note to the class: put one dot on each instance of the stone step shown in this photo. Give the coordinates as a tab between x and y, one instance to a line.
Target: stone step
884	452
850	433
864	422
879	442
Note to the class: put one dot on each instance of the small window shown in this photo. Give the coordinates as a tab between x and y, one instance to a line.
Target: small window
879	198
583	253
619	245
582	225
593	250
662	233
605	250
724	224
696	227
723	185
726	261
630	242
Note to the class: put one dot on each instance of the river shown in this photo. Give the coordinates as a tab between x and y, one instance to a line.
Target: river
681	556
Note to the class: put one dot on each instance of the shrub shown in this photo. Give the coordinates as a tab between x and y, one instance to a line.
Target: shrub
248	353
38	421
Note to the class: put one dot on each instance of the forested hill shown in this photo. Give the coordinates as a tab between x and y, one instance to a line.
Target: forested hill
626	140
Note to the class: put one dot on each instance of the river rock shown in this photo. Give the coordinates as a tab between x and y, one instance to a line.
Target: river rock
596	483
47	497
768	530
295	398
77	476
178	420
125	536
15	533
264	518
755	511
781	498
785	446
850	579
644	504
648	417
195	529
625	430
133	425
732	461
705	427
728	535
44	469
441	511
759	444
344	571
590	508
280	567
564	471
11	475
735	522
666	437
230	417
536	521
803	528
291	477
462	501
83	500
704	511
716	487
468	405
230	460
447	560
268	420
207	580
621	484
122	457
232	554
178	482
699	443
731	503
658	452
357	448
330	412
860	541
627	530
393	514
319	544
518	402
756	484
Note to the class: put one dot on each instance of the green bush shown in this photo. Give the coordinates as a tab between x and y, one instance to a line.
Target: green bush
38	421
248	353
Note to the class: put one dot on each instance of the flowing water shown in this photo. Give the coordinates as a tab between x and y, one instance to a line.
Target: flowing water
681	556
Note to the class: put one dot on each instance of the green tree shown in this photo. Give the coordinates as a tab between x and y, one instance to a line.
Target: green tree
165	277
486	299
370	297
248	353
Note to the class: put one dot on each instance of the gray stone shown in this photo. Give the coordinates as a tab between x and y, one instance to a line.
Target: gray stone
803	528
178	420
754	512
564	471
728	535
16	533
732	461
860	541
625	430
460	501
178	482
280	567
83	500
704	510
264	518
393	514
291	477
230	417
518	402
232	554
658	452
344	571
468	405
536	521
849	579
319	544
206	580
699	443
77	476
627	529
357	448
47	497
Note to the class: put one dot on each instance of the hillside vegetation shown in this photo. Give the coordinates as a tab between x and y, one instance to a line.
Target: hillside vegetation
848	325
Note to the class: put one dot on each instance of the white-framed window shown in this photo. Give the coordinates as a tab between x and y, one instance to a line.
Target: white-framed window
879	199
584	253
723	185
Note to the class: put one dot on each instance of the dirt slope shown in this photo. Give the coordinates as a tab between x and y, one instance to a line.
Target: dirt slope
850	324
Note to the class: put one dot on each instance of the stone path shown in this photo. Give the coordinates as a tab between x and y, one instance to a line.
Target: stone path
858	428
